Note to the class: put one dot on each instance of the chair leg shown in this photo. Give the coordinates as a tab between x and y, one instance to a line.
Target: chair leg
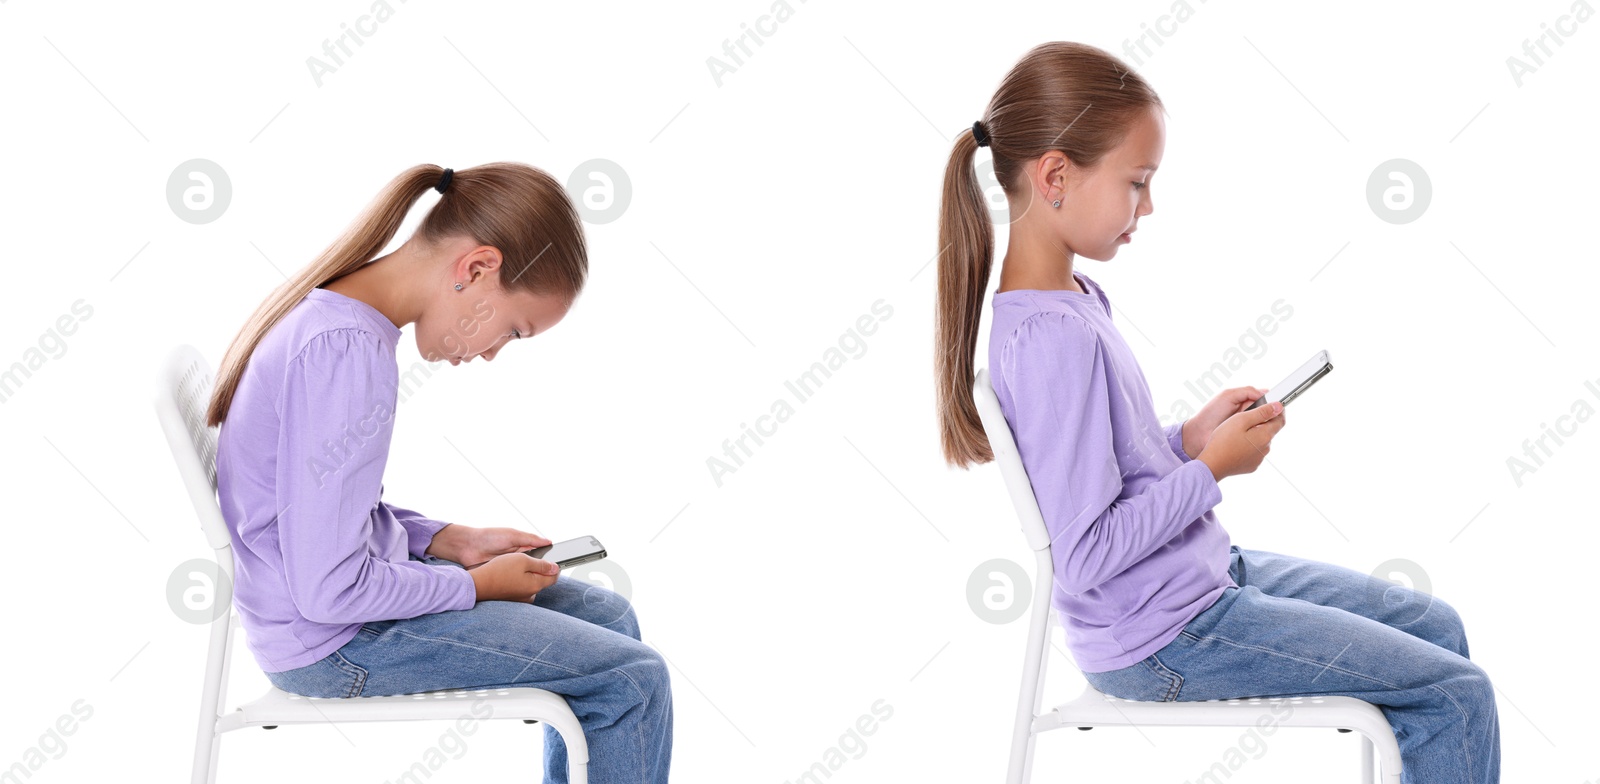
1366	760
1034	664
205	760
577	772
208	742
572	734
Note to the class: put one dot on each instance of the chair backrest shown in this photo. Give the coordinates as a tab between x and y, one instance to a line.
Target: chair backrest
183	392
1009	461
1042	621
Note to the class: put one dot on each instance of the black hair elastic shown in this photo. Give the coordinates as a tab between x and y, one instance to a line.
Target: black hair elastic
980	133
444	181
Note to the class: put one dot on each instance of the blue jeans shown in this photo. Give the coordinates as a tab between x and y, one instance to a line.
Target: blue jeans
1299	627
576	639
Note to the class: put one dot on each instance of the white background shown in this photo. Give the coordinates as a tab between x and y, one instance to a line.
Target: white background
768	213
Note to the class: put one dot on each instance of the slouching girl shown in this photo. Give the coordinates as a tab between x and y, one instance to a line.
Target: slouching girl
343	594
1156	602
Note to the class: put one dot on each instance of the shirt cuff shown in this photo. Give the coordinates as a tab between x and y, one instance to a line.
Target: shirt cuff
468	598
419	533
1208	484
1175	440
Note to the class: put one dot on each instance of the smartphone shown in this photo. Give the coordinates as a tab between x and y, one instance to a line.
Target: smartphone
1297	382
571	552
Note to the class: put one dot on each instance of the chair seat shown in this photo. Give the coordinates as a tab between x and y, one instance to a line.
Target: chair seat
1094	708
277	706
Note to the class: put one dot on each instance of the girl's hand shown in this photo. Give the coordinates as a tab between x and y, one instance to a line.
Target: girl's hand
1243	441
473	547
1197	430
513	577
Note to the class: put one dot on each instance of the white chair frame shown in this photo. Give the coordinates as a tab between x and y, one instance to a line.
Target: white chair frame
1093	708
182	395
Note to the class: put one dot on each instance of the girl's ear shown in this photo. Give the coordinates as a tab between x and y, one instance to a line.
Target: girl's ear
1050	171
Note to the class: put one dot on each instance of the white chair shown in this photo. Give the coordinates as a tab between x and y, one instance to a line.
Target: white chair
183	393
1094	708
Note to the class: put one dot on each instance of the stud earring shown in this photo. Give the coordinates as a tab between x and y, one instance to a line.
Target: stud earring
1056	203
458	287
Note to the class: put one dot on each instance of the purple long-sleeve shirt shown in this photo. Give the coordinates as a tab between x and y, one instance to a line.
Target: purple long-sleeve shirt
300	460
1137	551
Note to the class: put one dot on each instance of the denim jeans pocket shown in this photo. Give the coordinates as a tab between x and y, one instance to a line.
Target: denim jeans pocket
1147	681
372	629
332	676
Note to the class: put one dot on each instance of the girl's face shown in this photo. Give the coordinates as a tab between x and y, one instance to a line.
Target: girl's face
479	325
1100	207
478	321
